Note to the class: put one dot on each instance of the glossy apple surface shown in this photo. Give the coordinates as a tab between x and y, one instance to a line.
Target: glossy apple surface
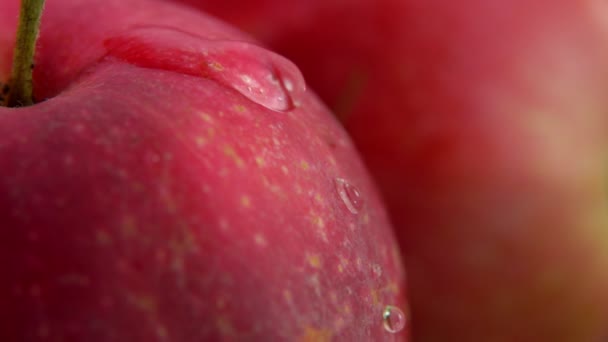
485	124
176	182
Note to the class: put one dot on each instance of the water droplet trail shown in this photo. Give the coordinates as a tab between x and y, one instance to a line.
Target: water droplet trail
259	74
350	195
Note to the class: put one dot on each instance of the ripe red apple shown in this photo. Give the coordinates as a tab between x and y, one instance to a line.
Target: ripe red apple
485	124
176	182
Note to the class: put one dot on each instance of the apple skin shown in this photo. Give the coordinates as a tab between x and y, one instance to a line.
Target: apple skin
484	123
148	198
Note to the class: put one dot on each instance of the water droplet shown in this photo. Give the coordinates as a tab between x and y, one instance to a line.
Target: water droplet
259	74
394	319
350	195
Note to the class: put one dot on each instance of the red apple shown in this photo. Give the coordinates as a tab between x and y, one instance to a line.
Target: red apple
485	124
175	182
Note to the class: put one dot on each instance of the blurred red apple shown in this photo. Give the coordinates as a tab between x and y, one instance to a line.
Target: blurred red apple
176	182
485	124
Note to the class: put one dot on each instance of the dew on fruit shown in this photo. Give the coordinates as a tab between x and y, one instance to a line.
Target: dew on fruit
394	319
350	195
263	83
270	91
258	74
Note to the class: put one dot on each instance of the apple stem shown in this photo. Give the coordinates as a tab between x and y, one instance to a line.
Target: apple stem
20	84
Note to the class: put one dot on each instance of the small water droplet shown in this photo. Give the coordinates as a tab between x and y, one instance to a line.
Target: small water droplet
394	319
258	74
350	195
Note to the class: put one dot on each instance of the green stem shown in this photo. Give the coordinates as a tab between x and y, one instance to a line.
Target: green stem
20	85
